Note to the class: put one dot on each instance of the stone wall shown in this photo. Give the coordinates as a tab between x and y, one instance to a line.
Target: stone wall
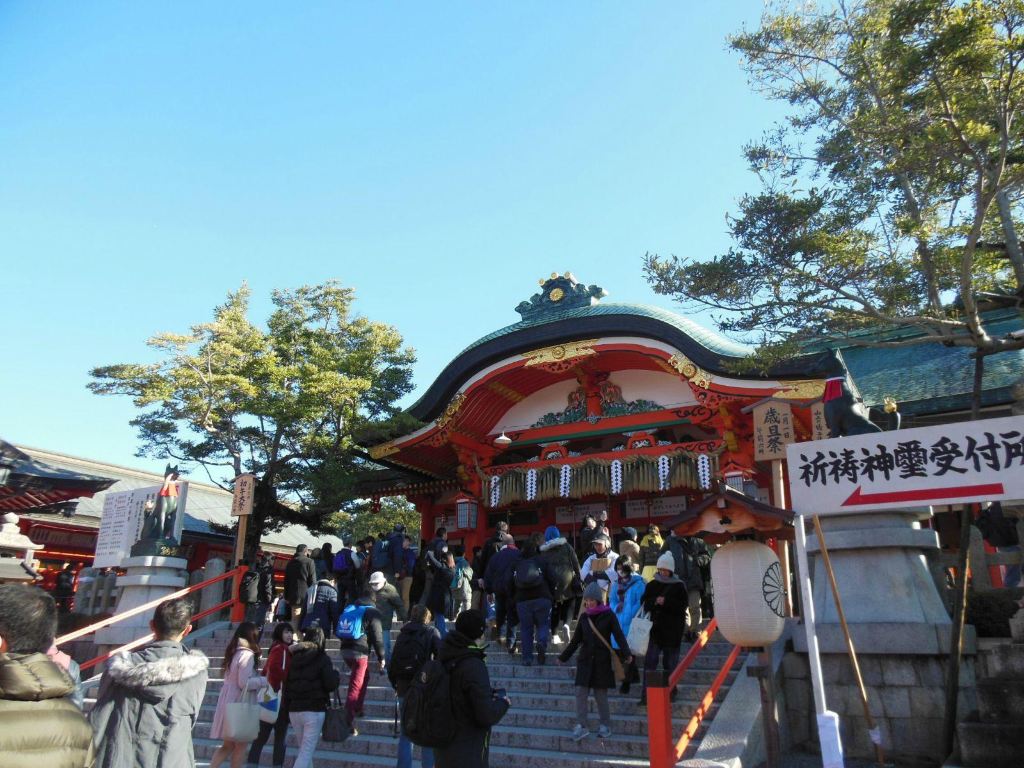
906	696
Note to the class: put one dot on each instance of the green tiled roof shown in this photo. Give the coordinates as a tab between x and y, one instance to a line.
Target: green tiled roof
930	377
713	341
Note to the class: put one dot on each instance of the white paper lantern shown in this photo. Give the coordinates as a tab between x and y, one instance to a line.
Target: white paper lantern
749	593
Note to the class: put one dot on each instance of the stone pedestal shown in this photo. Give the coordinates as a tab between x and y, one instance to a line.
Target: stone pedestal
901	631
148	578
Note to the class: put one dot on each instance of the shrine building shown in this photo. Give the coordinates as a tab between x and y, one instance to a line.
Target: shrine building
586	405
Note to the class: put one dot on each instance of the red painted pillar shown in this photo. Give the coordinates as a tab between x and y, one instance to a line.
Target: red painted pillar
661	743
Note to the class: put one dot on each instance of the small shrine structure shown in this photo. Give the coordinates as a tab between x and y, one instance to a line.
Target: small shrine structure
585	406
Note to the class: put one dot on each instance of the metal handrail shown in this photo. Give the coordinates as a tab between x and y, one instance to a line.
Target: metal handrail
237	572
665	750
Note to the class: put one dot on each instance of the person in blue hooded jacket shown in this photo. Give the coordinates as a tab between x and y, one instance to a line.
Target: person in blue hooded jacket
625	596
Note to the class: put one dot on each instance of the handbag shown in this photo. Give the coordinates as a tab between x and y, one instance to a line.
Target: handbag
242	720
336	725
617	668
270	700
639	636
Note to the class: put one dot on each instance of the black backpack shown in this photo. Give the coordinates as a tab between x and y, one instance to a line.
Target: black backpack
410	653
428	717
248	589
528	574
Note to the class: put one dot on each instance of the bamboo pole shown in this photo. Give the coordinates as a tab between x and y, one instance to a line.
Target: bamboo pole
779	494
876	738
957	640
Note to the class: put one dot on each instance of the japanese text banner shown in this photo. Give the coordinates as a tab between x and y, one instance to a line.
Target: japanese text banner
949	464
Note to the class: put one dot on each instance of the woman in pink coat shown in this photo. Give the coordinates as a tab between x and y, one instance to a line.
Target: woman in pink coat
241	665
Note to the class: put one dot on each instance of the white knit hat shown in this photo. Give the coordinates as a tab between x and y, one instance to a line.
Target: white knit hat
667	562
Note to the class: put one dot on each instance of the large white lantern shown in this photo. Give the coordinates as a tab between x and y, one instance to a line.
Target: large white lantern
749	593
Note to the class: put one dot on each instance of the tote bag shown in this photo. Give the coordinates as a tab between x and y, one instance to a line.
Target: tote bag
270	700
639	633
336	727
242	720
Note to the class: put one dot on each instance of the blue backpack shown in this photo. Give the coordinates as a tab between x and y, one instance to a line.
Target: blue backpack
350	623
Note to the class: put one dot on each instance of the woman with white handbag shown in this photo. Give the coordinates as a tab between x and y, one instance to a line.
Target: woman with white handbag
273	711
624	597
237	718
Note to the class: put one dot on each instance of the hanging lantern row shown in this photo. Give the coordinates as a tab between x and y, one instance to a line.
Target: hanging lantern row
602	477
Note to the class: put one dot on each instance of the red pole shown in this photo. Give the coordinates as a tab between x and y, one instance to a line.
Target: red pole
659	721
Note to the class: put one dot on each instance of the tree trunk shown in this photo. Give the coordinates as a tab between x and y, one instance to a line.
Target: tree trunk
1010	234
264	504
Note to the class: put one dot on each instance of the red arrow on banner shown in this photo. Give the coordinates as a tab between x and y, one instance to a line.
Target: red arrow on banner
858	498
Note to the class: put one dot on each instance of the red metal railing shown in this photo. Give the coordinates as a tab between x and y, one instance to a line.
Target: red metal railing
665	749
230	602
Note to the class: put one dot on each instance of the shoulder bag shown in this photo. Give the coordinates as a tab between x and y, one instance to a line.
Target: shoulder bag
639	633
336	726
617	668
242	720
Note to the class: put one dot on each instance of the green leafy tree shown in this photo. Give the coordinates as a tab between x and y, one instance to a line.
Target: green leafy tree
888	193
361	520
282	402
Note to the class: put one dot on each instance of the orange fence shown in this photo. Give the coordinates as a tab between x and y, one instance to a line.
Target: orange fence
230	602
665	749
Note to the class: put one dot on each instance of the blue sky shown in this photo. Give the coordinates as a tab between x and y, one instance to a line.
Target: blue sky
438	157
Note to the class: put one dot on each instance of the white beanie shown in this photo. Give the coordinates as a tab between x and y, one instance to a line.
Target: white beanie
667	562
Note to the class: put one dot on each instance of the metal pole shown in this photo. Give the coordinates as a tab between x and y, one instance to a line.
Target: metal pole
873	732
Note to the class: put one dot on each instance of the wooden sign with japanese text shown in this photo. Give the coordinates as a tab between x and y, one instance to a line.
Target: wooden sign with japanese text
241	501
819	427
773	430
969	461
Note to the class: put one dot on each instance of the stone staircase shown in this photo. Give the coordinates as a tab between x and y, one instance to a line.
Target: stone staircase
534	734
993	737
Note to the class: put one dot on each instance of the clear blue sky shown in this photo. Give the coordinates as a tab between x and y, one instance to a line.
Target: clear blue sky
438	157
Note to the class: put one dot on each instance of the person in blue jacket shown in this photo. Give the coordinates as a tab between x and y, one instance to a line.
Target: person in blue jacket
624	597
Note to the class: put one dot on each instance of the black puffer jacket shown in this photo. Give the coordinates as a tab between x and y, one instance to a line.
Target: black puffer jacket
563	568
39	726
473	703
311	679
594	666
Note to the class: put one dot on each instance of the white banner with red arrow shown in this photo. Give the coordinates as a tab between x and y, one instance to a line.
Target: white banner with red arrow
949	464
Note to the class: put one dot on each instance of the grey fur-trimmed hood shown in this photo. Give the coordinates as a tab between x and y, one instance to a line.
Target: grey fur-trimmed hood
155	671
547	545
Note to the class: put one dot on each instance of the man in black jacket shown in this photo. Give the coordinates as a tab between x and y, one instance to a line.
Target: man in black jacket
418	642
476	706
299	576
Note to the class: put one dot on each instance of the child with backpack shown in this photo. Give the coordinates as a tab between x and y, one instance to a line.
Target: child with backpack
359	629
533	600
594	671
417	643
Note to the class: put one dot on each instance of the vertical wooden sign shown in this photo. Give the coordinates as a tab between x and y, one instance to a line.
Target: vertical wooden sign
773	430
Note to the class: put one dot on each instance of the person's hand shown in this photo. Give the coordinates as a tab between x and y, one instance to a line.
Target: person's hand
480	583
660	601
629	660
380	666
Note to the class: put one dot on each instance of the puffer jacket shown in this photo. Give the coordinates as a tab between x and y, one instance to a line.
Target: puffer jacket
625	599
147	704
473	704
311	679
325	610
564	568
40	725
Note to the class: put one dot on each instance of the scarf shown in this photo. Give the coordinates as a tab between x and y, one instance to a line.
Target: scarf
667	579
597	609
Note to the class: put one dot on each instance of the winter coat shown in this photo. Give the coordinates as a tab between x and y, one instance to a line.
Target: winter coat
473	704
625	601
311	679
39	725
265	590
423	636
249	588
439	599
668	621
588	574
564	567
389	603
498	576
396	557
462	581
325	608
276	669
650	549
587	541
241	676
147	705
299	576
594	666
373	633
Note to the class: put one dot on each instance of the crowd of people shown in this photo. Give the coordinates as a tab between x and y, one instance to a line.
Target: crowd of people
549	593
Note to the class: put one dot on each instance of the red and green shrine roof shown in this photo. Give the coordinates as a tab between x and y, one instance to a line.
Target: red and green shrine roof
585	374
